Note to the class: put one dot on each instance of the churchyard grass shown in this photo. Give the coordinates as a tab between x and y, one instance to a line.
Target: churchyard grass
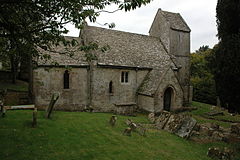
200	115
19	86
88	136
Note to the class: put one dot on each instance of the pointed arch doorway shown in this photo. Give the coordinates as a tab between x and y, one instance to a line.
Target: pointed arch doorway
167	101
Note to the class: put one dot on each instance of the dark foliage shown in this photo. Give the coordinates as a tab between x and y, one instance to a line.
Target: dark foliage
227	59
26	25
202	79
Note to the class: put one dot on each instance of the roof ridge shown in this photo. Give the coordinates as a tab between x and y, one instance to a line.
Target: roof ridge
138	34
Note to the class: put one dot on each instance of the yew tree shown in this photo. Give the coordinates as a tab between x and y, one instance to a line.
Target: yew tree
227	58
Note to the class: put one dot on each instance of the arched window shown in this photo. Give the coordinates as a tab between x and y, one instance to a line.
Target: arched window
66	80
110	87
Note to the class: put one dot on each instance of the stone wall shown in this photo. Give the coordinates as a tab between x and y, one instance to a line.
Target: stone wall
50	80
123	93
161	29
169	80
180	48
179	43
146	103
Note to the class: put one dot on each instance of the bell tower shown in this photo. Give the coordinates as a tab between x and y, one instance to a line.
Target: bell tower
174	33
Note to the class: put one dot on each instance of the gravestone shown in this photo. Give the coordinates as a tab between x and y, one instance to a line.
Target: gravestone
127	131
113	120
2	95
221	154
174	123
162	119
34	118
235	128
141	130
187	127
151	117
54	99
131	124
3	111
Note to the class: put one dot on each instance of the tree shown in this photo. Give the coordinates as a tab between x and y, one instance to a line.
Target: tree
227	58
202	49
202	79
28	24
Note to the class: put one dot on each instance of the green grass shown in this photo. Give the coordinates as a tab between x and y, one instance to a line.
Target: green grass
204	108
19	86
88	136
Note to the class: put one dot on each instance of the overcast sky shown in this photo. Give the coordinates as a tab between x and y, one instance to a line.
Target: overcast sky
200	15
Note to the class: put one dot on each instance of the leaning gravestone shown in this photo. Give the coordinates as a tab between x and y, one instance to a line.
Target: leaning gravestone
54	99
187	126
127	131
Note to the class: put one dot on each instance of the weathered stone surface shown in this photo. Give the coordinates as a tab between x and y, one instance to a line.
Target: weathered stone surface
131	124
151	117
141	130
235	128
174	123
231	138
127	131
197	127
113	120
3	111
187	127
162	119
54	99
216	135
126	109
145	58
214	126
221	154
34	118
213	132
204	130
2	98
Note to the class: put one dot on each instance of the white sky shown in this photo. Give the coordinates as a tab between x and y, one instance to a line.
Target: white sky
200	15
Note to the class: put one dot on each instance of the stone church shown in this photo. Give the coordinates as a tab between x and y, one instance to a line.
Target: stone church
146	72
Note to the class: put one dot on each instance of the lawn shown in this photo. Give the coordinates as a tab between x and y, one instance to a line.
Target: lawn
81	135
200	115
19	86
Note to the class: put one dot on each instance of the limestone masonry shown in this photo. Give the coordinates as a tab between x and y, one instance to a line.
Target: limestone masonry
143	72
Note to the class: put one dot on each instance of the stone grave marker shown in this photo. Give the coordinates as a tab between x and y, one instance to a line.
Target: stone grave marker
187	127
174	123
34	118
127	131
113	120
162	119
54	99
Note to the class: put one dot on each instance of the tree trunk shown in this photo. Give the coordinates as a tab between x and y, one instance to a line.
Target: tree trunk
13	69
30	82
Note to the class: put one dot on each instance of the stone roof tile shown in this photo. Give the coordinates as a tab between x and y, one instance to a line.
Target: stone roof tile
176	21
129	49
60	55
